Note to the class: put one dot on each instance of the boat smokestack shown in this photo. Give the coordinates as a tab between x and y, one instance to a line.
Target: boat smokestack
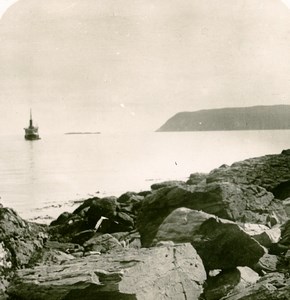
30	121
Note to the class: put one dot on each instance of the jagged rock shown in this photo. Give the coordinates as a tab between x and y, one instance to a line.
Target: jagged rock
102	243
223	243
68	228
286	204
196	178
285	234
268	237
270	172
170	183
105	215
263	234
227	281
212	237
62	219
254	229
124	222
50	256
104	207
83	236
19	238
84	207
251	204
129	203
267	263
181	226
64	247
128	239
174	273
272	286
130	198
145	193
278	249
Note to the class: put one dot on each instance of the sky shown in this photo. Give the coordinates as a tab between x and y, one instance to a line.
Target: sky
129	65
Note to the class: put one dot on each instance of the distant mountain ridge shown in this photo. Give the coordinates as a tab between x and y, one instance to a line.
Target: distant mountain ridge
234	118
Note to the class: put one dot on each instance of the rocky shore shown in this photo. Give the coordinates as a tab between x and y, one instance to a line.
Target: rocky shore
223	235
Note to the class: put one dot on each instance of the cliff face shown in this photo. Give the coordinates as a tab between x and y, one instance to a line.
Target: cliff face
239	118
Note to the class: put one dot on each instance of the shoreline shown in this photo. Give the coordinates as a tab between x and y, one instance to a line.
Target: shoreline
242	210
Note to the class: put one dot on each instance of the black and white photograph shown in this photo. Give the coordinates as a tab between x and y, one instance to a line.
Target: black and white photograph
145	150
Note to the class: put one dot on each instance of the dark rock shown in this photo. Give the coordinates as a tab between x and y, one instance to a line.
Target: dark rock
212	238
286	152
176	272
19	238
129	203
130	198
268	237
104	207
125	221
196	178
278	249
19	241
83	236
66	231
171	183
144	193
220	285
85	205
285	234
223	242
104	215
62	219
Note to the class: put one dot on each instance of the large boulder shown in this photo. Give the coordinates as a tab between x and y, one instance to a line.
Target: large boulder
240	203
221	244
19	241
19	238
175	273
104	207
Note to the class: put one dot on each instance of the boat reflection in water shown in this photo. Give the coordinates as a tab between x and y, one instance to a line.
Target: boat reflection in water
31	132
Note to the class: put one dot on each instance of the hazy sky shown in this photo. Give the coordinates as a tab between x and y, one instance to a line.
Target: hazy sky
131	64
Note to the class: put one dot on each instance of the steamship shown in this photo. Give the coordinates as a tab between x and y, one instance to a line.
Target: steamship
31	132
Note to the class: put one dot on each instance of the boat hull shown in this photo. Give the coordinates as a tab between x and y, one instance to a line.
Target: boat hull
32	137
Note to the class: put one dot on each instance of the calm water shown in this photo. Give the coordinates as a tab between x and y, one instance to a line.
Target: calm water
43	178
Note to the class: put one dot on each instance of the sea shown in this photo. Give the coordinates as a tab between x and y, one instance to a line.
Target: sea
41	179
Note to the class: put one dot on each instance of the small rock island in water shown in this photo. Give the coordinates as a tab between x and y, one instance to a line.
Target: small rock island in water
84	132
237	118
222	235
